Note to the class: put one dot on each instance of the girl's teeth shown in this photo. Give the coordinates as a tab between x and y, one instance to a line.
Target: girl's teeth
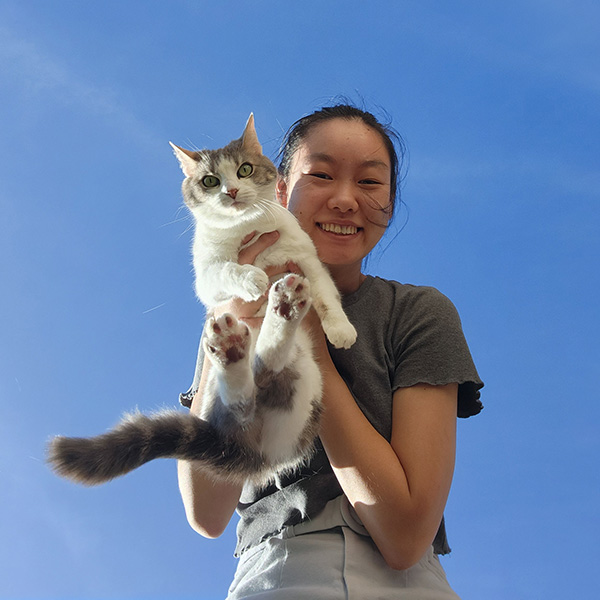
340	229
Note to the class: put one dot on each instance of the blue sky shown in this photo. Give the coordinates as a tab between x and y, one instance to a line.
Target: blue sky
498	104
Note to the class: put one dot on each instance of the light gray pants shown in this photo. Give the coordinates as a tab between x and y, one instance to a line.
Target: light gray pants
332	557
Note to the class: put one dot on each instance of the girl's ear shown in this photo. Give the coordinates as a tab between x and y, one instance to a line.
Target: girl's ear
281	191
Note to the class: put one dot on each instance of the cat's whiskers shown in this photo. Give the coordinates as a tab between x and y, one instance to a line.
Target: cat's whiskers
190	226
267	209
177	218
185	218
267	212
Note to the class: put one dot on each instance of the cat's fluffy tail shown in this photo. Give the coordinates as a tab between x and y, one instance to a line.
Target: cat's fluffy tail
139	438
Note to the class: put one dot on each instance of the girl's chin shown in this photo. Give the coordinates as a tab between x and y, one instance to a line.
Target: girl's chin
337	259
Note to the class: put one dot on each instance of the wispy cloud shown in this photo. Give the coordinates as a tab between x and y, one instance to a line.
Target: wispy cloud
32	72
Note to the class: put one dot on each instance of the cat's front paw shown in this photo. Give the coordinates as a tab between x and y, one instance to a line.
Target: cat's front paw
340	333
226	340
290	297
253	283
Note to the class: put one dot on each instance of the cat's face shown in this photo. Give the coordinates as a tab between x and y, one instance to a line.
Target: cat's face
234	181
230	183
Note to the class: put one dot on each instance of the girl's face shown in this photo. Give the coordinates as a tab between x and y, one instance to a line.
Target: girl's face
339	189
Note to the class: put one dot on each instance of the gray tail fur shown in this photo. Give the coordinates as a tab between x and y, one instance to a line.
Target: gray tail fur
139	439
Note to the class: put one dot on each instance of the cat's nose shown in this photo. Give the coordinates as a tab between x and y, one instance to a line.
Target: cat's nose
232	192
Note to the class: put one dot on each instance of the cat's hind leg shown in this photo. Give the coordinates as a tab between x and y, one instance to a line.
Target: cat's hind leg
228	345
289	300
289	384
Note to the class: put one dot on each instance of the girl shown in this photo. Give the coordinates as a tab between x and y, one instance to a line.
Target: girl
365	518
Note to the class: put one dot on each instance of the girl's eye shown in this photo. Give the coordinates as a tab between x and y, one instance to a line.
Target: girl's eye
369	181
320	175
210	181
245	170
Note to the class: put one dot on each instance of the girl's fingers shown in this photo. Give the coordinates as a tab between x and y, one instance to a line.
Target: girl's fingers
289	267
241	309
248	255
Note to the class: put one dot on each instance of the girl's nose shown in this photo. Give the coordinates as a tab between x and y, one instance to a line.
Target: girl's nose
343	199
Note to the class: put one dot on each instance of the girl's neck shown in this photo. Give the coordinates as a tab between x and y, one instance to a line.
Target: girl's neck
347	280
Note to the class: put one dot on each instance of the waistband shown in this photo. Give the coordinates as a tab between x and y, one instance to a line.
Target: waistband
337	513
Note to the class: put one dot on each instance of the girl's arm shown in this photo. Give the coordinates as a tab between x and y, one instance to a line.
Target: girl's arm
209	504
398	489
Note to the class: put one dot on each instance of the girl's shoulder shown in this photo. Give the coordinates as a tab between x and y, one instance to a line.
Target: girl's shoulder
405	297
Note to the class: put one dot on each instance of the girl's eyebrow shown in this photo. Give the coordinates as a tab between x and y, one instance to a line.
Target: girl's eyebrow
321	156
375	163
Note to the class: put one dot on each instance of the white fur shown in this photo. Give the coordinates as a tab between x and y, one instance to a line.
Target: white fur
219	277
281	430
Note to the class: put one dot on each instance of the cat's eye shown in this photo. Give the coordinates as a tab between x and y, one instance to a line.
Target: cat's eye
245	170
210	181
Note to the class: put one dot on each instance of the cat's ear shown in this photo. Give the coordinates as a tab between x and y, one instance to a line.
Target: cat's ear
186	158
250	141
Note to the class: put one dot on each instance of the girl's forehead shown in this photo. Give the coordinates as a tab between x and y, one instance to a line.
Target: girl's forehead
343	135
343	140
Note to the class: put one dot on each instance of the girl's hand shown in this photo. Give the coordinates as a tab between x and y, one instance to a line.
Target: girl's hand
246	311
248	255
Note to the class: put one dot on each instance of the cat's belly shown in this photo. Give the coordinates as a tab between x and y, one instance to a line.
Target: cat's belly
284	431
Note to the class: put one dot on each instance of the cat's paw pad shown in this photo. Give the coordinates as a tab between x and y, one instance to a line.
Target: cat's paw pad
290	297
253	284
226	340
341	334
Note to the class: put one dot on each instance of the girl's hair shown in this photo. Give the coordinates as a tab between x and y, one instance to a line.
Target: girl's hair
394	144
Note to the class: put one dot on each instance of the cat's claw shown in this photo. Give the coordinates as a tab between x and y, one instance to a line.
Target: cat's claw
226	340
289	298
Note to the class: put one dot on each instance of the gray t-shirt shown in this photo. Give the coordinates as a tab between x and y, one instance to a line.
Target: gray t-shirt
406	335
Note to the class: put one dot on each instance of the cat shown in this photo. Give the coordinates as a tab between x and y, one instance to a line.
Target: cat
259	412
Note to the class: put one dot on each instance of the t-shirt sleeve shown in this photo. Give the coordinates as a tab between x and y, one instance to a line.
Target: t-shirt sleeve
430	347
